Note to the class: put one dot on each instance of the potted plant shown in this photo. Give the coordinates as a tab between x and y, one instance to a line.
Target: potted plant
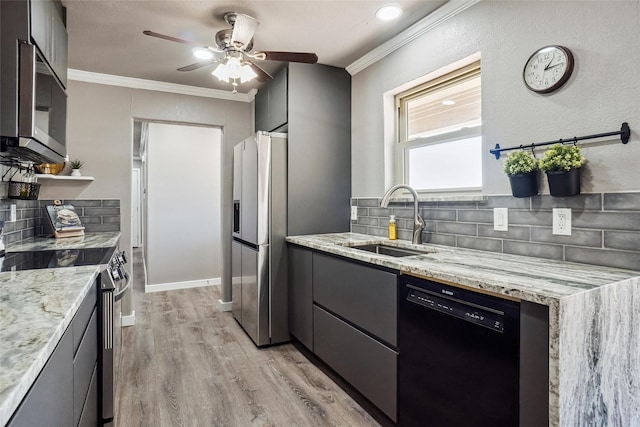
76	165
562	165
522	169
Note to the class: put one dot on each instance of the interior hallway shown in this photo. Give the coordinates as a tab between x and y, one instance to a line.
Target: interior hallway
186	363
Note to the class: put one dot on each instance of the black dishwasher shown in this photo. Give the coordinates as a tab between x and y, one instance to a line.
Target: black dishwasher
458	362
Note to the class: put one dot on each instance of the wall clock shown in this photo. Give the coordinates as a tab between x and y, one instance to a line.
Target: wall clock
548	69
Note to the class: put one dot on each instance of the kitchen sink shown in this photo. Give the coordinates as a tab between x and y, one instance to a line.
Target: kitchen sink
393	251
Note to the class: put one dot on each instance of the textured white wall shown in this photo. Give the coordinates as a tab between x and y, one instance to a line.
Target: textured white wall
100	131
602	92
183	201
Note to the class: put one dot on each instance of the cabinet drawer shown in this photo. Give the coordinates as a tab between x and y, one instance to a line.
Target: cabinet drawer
89	417
365	296
49	402
83	366
366	364
82	317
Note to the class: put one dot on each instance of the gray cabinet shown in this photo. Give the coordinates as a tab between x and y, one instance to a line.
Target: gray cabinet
365	363
49	33
362	295
65	393
271	103
301	295
312	103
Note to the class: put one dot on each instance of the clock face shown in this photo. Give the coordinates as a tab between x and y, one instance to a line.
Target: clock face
548	69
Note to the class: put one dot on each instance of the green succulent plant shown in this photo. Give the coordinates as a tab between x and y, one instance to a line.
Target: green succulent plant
76	164
560	157
519	162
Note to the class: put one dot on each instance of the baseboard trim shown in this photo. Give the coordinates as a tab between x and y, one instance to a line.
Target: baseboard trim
225	305
183	285
128	320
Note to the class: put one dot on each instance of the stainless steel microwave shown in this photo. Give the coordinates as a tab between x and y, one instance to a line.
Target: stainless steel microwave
34	111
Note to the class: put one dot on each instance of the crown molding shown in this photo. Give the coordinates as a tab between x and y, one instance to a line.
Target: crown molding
426	24
109	79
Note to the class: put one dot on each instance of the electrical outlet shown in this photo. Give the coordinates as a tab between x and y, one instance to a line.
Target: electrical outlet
13	214
562	221
501	219
354	213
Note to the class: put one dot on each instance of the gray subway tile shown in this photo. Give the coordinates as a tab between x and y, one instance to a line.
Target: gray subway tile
609	258
429	226
365	220
354	202
379	212
622	201
484	216
458	205
101	211
624	240
377	231
491	245
102	227
402	212
368	203
607	220
577	238
438	214
507	202
513	233
439	239
355	228
107	219
111	203
529	218
538	250
405	235
457	228
85	203
363	212
580	201
90	220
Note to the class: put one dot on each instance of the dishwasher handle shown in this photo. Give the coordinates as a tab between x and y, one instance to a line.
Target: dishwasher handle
481	316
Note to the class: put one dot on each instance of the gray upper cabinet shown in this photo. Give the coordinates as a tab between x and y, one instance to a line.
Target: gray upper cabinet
271	103
312	103
49	33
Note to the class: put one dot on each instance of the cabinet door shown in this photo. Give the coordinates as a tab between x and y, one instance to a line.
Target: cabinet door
83	366
261	104
278	100
50	400
236	280
363	295
300	295
365	363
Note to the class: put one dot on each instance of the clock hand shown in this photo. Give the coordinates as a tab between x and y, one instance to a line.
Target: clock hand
547	66
553	66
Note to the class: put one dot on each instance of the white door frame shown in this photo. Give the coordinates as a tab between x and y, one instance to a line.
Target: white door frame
136	211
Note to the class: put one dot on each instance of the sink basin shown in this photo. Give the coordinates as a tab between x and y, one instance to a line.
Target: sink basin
393	251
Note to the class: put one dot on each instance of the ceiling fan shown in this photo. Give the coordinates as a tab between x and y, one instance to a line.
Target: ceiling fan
233	51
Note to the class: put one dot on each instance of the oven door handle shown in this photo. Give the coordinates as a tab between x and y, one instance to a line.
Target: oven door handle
118	295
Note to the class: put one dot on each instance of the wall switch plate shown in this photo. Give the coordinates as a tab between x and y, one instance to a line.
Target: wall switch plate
562	221
13	214
501	219
354	213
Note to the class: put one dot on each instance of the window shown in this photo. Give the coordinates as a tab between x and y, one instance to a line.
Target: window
439	140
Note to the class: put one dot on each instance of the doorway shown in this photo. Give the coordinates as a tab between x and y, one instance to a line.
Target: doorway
180	204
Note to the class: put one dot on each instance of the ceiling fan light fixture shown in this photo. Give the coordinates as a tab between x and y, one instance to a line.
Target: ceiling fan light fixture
234	68
202	53
247	74
389	12
221	72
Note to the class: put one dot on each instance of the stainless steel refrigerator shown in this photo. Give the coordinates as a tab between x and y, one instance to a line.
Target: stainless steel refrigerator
258	248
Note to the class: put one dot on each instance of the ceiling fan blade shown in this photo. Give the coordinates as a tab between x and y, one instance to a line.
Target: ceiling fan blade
263	76
244	28
307	58
177	40
198	65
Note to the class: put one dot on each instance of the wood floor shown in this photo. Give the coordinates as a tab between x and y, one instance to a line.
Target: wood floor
186	363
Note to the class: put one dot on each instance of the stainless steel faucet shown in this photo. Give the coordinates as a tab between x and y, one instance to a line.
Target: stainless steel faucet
418	222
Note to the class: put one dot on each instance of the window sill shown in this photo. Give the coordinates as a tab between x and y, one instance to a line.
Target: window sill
462	198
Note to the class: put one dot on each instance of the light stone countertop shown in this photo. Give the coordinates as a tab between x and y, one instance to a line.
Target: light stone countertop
89	240
594	332
36	307
537	280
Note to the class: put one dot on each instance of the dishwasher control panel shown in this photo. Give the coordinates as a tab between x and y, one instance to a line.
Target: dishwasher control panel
470	312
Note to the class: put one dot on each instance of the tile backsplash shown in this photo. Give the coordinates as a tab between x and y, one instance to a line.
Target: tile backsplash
605	226
32	219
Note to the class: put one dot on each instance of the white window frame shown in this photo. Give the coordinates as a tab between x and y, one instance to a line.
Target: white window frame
402	145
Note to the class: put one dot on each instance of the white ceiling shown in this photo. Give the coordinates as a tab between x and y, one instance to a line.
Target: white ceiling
105	36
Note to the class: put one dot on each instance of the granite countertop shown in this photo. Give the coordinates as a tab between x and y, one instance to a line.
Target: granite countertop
36	307
531	279
89	240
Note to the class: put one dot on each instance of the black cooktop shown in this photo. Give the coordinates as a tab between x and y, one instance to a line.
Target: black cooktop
33	260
